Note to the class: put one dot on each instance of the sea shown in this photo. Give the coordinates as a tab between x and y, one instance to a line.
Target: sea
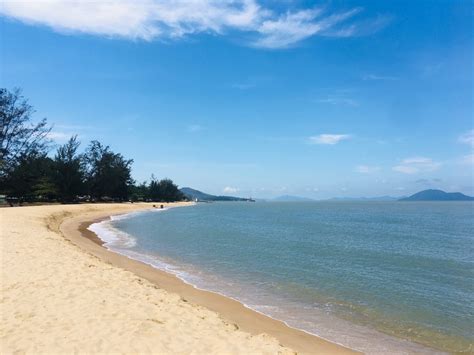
379	277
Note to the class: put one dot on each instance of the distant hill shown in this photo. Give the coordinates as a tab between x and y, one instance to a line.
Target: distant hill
193	194
437	195
289	198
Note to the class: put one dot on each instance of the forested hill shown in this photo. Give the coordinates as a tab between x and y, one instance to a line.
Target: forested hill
193	194
437	195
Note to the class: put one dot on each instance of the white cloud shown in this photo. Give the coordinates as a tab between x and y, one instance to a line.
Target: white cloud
328	138
365	169
416	165
417	160
168	19
59	137
468	159
361	28
290	28
405	169
467	138
230	190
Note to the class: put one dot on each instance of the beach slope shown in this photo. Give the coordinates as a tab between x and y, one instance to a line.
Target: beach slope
57	297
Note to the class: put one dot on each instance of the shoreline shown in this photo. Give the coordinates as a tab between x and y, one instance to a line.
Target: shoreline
76	231
59	298
387	342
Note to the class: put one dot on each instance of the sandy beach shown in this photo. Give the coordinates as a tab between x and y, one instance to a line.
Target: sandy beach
63	292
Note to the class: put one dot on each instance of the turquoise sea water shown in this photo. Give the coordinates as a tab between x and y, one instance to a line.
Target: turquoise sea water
366	274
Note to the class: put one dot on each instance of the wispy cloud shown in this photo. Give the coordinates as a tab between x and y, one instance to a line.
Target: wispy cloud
366	169
406	169
293	27
330	139
172	19
428	181
230	190
61	133
467	138
378	77
338	100
467	159
251	82
74	127
59	137
416	165
363	27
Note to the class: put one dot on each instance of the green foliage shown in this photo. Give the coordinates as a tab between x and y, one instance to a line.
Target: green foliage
139	192
31	179
19	136
27	173
108	173
69	171
164	190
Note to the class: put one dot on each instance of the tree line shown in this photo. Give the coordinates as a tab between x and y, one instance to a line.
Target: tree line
30	171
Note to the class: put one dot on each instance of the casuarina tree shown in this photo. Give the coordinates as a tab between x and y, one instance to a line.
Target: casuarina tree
69	171
20	136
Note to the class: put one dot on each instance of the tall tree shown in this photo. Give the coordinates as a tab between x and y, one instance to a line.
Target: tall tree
154	192
109	173
31	178
69	173
19	136
164	190
139	192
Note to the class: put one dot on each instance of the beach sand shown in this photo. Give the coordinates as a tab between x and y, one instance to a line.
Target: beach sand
62	292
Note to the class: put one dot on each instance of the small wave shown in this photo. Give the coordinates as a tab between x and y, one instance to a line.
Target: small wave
128	215
148	259
111	236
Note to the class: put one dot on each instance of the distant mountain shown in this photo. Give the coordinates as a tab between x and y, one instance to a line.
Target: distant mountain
377	198
193	194
289	198
437	195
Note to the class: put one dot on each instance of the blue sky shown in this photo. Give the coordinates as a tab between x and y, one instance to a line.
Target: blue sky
257	98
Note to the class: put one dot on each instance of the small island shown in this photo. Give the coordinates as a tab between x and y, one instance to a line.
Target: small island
437	195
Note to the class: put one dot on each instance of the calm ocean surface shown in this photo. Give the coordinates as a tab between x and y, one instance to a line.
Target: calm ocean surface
370	275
